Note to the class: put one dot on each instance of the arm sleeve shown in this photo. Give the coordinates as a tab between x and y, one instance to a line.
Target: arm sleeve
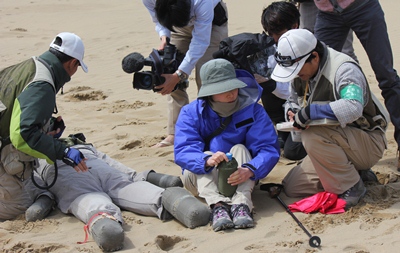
201	35
189	145
161	30
349	108
32	109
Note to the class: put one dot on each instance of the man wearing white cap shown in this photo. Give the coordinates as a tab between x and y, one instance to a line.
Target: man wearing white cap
332	86
27	129
227	100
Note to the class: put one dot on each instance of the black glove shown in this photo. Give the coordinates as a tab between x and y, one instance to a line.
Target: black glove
302	118
57	125
293	110
72	157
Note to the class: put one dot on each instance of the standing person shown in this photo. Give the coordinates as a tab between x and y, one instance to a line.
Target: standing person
366	19
227	99
308	15
276	19
339	157
195	27
27	129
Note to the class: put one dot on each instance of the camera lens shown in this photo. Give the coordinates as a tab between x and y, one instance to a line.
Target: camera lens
147	82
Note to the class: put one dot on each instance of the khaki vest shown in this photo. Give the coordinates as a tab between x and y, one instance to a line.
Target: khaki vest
374	114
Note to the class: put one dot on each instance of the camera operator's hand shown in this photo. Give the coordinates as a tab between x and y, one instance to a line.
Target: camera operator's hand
164	41
171	80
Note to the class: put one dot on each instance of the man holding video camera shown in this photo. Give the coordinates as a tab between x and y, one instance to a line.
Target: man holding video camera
195	27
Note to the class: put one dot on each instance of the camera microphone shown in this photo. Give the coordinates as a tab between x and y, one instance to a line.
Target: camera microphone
132	63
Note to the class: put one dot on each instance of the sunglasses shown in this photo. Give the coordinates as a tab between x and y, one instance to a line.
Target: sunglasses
287	61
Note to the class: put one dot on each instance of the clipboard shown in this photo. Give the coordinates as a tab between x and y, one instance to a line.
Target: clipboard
288	126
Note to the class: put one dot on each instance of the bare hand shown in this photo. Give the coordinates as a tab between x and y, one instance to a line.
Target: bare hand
163	43
81	167
240	176
216	158
260	79
171	80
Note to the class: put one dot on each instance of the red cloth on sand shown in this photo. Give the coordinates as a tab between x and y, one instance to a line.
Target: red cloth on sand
323	202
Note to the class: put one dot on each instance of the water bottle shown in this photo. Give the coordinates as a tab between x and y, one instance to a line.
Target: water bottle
225	169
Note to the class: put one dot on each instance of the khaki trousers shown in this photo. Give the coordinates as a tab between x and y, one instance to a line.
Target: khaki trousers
334	156
181	39
17	196
206	185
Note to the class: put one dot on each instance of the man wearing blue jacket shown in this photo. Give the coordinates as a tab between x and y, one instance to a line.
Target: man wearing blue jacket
227	99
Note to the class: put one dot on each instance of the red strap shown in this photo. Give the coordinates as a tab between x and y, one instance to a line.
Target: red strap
86	227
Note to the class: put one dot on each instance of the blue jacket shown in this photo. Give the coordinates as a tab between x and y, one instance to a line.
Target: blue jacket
250	126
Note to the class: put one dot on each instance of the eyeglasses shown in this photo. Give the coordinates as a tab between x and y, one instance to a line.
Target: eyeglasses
287	61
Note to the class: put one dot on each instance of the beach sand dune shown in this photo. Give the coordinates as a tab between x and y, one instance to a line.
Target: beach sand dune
125	123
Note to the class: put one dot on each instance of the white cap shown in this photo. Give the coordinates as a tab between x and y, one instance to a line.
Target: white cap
71	45
293	44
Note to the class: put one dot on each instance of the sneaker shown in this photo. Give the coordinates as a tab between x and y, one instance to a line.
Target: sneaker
353	195
221	219
368	175
242	217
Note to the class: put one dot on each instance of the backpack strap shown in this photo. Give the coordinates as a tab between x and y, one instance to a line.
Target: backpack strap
219	130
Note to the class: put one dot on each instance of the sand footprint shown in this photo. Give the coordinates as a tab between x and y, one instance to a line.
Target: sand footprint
166	243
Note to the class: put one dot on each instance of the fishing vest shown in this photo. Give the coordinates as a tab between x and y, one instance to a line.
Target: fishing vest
374	114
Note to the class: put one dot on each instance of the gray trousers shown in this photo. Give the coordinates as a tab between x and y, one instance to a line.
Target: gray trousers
181	39
334	156
106	187
206	185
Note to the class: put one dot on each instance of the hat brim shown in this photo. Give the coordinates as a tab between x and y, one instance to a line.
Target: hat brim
286	74
84	66
220	87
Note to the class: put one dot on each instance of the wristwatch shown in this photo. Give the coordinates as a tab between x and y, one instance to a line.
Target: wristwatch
182	75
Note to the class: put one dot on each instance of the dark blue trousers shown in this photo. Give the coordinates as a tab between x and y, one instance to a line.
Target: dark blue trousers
366	19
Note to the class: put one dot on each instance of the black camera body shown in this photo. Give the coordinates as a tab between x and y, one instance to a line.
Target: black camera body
161	62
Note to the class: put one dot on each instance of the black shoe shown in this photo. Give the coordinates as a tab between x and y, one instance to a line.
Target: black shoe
368	175
353	195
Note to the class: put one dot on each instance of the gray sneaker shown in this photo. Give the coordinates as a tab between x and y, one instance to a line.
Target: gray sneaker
221	219
241	216
368	175
353	195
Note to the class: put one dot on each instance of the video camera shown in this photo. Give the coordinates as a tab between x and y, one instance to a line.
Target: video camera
164	61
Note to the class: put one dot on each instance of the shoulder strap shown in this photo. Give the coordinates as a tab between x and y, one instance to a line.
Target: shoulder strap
219	130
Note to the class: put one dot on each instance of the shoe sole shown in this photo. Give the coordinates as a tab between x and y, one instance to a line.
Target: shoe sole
224	227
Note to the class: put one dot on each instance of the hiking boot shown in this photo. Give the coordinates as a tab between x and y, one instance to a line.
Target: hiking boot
164	180
221	219
242	217
368	176
353	195
39	209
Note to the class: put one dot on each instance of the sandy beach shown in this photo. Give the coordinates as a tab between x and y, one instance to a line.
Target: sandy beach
126	123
